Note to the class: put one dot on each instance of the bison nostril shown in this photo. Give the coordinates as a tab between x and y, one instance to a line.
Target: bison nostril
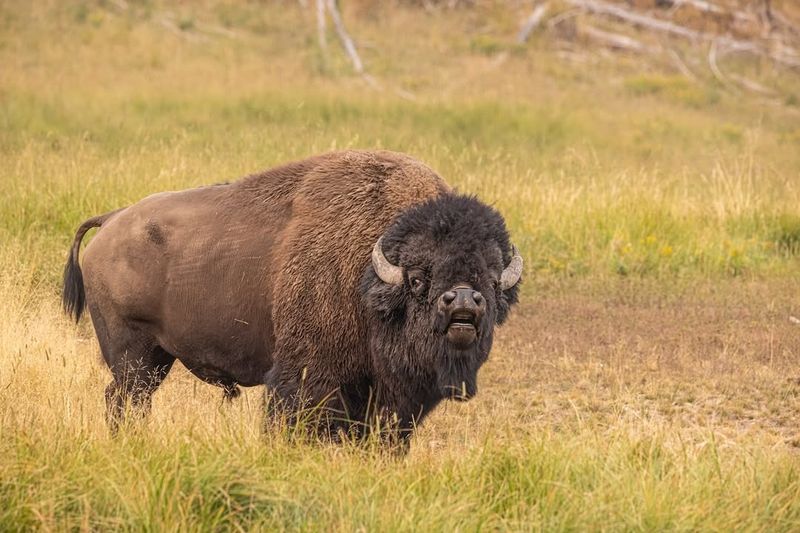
478	297
448	297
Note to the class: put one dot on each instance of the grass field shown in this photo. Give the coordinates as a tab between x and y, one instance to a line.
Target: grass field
649	379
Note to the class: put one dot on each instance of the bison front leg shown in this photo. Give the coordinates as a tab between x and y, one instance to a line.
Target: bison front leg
397	412
388	430
306	404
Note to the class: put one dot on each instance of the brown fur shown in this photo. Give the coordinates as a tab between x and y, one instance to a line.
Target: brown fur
231	278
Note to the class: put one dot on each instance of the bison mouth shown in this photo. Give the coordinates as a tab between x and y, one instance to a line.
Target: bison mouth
462	331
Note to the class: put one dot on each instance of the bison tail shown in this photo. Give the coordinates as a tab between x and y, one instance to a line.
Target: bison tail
74	297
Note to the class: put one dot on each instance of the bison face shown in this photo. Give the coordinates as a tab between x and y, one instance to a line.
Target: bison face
442	276
460	311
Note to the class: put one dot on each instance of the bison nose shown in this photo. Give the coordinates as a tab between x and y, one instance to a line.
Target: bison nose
462	299
467	298
462	308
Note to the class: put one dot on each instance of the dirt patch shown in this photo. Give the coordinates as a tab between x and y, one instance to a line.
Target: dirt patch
722	354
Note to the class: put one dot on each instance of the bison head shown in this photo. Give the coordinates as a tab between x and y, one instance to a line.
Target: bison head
441	277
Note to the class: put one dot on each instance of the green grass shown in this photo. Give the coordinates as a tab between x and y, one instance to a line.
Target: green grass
572	210
228	481
615	179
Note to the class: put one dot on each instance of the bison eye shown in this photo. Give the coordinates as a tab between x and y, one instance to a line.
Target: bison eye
416	284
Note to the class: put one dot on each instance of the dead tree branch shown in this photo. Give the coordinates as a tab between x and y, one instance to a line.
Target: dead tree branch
784	55
322	28
604	8
700	5
561	17
681	64
532	22
712	64
613	40
752	86
344	37
332	8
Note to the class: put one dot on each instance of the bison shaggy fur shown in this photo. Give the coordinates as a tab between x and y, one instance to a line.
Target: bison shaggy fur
356	285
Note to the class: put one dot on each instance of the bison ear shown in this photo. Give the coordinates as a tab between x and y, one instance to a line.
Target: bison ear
505	301
382	299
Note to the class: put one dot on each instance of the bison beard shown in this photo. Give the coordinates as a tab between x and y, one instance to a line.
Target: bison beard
354	283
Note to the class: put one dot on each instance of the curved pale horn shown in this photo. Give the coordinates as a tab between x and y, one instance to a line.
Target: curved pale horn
513	271
388	272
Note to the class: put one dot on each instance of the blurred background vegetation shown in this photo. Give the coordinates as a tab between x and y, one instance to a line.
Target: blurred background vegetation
613	147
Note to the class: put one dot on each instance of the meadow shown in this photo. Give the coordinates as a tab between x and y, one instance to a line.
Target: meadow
647	381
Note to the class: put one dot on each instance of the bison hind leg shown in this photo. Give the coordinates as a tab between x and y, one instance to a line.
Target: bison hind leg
131	390
137	362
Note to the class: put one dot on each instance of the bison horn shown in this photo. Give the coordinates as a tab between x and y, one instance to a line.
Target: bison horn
513	271
389	273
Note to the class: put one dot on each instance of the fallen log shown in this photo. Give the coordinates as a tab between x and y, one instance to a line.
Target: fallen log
604	8
613	40
787	56
700	5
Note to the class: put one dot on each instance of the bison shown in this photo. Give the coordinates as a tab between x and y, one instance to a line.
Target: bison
357	283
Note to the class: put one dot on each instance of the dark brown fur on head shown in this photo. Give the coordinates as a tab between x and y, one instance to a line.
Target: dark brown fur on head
444	242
